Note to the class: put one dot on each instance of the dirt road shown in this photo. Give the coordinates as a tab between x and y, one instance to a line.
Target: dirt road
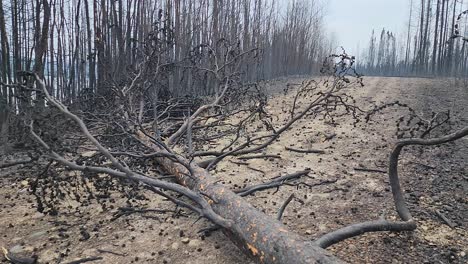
435	179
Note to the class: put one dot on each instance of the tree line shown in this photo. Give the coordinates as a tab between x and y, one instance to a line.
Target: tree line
431	45
177	47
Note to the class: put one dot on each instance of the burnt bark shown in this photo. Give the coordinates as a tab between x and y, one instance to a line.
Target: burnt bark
260	236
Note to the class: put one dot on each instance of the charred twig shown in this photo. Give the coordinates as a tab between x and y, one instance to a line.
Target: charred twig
239	163
283	207
111	252
274	183
260	157
445	219
432	126
254	169
209	230
84	260
423	165
143	155
130	210
317	151
319	183
369	170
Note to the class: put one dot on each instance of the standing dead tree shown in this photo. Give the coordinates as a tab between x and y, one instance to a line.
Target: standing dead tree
425	53
263	238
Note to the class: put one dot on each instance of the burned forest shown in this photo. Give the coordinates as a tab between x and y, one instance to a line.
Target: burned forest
232	131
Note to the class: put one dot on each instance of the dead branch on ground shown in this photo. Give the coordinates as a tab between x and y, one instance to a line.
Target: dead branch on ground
407	223
307	151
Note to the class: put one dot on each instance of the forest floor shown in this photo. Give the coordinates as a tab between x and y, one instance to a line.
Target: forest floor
434	179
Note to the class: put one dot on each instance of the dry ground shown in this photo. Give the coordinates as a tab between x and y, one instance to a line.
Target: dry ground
434	178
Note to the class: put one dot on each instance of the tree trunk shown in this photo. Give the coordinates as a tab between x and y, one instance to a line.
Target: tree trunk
450	63
425	50
5	55
421	37
42	39
91	55
260	236
408	40
434	45
4	127
441	35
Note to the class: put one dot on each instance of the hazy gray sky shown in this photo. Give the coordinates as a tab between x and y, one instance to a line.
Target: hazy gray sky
353	20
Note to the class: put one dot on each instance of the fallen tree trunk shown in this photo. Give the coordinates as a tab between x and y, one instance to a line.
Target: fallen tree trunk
260	236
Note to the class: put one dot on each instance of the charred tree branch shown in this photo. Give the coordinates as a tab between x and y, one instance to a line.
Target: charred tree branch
408	223
283	207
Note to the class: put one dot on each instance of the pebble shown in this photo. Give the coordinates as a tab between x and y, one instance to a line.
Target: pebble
38	234
175	246
308	232
88	154
17	249
194	243
185	240
89	252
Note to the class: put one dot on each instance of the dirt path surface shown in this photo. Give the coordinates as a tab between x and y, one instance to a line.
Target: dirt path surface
336	194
